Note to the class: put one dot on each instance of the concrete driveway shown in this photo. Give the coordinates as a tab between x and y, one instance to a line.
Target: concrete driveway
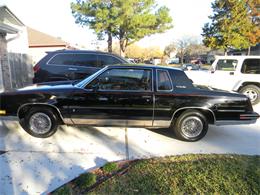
30	165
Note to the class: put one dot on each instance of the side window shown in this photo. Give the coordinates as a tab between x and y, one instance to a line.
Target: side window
74	59
226	65
104	60
123	79
251	66
163	81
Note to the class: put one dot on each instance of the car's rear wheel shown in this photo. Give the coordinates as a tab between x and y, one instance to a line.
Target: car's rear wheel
190	126
251	91
40	122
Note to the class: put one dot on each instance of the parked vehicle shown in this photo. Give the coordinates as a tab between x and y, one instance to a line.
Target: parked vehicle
189	67
71	65
128	95
233	73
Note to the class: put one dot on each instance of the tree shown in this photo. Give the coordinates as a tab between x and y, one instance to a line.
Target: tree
140	18
127	20
229	27
99	15
182	46
169	49
254	14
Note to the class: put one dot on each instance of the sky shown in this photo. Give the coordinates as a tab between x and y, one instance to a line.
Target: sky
54	17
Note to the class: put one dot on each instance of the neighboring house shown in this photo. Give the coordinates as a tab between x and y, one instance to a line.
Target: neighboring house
15	66
255	50
40	43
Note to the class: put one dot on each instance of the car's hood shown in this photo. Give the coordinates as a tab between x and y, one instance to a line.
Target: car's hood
46	87
41	88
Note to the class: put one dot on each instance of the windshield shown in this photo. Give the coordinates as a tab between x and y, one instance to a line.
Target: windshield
86	80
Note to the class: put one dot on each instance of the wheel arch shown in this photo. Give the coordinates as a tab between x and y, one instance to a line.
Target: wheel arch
25	107
243	84
208	113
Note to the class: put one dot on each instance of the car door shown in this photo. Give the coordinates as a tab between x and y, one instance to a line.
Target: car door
163	99
117	97
224	75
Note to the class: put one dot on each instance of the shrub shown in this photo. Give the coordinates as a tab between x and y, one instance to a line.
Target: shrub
86	180
110	167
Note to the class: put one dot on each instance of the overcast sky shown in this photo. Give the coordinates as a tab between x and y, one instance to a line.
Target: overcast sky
54	17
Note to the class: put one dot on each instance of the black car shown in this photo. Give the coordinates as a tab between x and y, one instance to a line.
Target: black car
127	95
66	66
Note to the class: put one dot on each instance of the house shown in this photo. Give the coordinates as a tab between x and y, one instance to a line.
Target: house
15	66
40	43
255	50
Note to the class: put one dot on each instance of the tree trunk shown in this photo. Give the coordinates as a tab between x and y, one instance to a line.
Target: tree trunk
122	47
109	42
249	50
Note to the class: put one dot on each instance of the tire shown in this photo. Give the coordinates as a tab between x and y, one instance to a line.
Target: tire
251	91
198	126
41	129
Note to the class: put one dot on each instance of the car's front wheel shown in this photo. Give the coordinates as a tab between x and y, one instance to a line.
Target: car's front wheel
253	92
190	126
40	122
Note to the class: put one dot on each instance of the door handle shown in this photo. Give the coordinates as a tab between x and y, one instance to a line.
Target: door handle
146	96
102	99
72	69
231	73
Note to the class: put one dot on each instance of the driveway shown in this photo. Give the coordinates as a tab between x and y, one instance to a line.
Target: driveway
30	165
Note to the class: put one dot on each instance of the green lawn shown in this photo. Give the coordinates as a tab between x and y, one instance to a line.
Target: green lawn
187	174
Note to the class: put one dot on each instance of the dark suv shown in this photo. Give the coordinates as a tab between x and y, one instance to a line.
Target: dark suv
69	65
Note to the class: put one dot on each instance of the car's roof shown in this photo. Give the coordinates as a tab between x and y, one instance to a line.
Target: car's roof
142	66
78	51
237	57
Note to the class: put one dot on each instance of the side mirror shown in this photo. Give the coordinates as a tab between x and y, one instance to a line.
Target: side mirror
212	70
93	88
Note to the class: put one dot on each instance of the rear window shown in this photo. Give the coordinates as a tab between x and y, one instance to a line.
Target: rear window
163	81
251	66
74	59
103	60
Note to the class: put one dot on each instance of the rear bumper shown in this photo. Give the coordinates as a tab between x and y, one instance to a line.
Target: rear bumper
244	119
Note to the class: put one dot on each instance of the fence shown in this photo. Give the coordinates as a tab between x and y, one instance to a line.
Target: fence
21	70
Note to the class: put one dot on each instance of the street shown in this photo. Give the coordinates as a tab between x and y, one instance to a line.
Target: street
38	166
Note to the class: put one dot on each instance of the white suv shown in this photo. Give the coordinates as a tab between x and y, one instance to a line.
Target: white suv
233	73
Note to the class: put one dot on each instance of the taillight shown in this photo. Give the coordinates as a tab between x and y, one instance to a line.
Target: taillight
36	68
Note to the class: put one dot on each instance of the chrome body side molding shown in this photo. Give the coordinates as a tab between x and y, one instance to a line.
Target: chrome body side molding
234	122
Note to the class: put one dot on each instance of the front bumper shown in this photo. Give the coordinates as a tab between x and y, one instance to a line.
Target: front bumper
244	119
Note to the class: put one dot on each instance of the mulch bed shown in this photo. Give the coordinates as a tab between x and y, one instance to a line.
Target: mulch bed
123	167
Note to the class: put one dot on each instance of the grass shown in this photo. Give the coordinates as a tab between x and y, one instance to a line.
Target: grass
187	174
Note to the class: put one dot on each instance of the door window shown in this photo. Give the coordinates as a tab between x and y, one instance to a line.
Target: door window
123	79
226	65
104	60
74	59
251	66
164	81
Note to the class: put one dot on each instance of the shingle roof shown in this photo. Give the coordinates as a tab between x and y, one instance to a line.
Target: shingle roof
40	39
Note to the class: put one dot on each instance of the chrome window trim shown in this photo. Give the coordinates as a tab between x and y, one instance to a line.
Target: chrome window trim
45	104
110	68
82	53
202	108
157	80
